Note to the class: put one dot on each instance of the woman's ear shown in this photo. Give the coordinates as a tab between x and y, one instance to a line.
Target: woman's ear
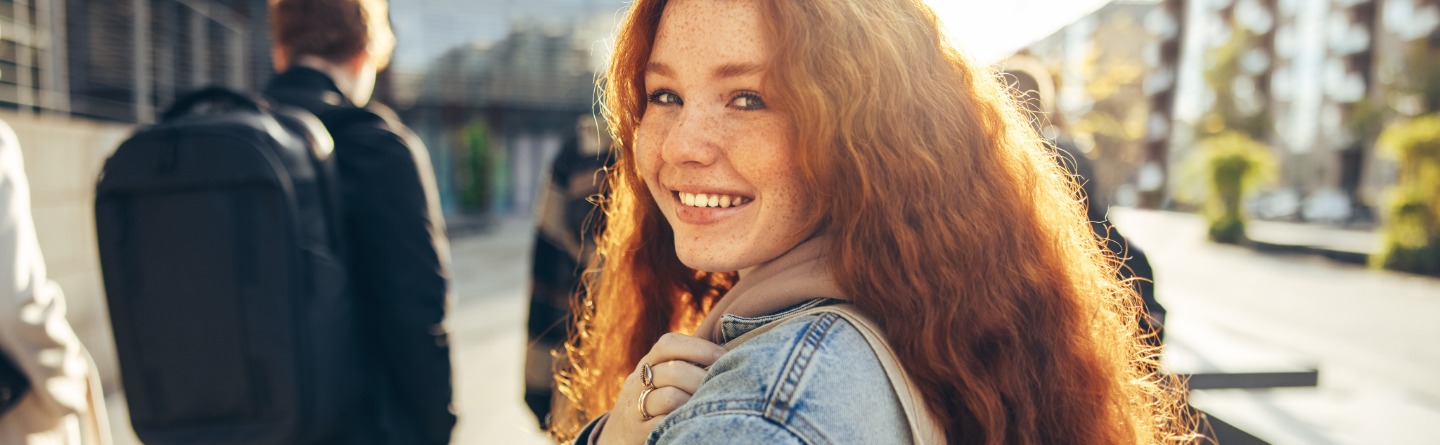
359	63
279	59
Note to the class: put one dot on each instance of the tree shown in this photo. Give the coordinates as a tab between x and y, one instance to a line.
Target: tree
474	175
1233	111
1422	74
1412	232
1234	165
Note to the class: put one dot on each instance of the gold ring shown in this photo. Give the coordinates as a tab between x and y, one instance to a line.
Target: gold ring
647	376
643	394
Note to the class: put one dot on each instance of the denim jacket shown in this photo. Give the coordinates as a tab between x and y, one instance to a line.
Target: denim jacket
812	380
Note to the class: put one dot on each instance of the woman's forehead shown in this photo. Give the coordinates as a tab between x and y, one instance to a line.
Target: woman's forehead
709	37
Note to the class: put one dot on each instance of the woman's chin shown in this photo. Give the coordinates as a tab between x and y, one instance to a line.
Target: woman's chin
707	262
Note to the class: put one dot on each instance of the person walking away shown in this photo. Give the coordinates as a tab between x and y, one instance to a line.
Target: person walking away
51	388
565	230
327	54
1035	91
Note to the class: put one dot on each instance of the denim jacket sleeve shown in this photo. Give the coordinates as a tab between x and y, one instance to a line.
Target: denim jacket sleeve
590	434
811	380
715	429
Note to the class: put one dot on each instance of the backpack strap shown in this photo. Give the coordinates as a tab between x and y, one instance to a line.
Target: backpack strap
924	429
340	118
322	147
214	99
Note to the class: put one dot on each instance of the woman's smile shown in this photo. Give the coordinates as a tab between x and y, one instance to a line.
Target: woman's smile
709	208
717	200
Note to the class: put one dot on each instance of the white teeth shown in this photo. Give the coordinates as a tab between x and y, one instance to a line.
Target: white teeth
703	200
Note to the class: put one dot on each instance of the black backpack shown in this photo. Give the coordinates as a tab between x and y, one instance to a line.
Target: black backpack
13	385
219	234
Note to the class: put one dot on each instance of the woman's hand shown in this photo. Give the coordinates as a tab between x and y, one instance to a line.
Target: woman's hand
676	367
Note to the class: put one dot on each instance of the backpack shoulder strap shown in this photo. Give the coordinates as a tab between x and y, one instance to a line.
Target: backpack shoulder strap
339	118
924	428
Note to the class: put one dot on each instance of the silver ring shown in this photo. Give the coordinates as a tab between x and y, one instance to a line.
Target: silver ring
647	376
643	394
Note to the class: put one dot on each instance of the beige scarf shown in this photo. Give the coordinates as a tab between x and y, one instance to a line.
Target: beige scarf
796	276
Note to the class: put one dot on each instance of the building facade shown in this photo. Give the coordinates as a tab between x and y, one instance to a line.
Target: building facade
122	60
1321	78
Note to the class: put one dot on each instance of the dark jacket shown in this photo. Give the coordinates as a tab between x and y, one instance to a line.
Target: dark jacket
398	259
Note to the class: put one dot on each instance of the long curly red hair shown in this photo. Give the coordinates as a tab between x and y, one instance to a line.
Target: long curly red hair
952	226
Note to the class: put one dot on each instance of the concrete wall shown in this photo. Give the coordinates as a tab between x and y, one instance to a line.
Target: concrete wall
63	157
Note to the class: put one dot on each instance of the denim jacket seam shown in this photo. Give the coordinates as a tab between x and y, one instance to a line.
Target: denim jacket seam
780	402
784	426
747	405
753	407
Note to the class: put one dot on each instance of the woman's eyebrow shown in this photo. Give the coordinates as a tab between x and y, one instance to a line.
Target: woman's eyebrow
659	69
737	69
725	71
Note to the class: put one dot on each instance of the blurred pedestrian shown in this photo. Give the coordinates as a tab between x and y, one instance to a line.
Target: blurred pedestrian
53	393
565	228
328	54
862	218
1035	92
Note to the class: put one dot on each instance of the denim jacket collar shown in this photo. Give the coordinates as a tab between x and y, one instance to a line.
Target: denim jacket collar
732	326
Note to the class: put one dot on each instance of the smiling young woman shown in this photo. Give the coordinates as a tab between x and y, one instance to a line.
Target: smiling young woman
775	156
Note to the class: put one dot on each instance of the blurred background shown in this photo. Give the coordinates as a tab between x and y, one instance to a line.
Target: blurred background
1279	161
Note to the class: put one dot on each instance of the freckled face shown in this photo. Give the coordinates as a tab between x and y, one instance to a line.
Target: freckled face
716	157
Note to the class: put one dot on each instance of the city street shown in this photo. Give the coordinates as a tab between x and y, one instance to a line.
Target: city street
1369	333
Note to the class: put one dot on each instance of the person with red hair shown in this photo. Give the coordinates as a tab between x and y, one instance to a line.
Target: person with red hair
864	219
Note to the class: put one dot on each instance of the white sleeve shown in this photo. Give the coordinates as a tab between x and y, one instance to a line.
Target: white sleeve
33	331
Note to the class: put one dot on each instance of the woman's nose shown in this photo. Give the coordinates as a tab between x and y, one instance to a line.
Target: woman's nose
694	140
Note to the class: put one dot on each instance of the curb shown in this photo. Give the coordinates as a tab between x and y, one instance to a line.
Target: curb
1347	257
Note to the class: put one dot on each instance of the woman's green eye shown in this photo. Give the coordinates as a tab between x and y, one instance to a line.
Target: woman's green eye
663	97
748	101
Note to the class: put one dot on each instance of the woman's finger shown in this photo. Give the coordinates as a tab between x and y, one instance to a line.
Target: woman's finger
676	346
663	401
681	375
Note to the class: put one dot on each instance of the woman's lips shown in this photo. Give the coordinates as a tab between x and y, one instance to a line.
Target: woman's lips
708	208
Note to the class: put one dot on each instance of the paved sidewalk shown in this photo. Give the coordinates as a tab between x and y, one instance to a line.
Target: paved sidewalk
491	272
